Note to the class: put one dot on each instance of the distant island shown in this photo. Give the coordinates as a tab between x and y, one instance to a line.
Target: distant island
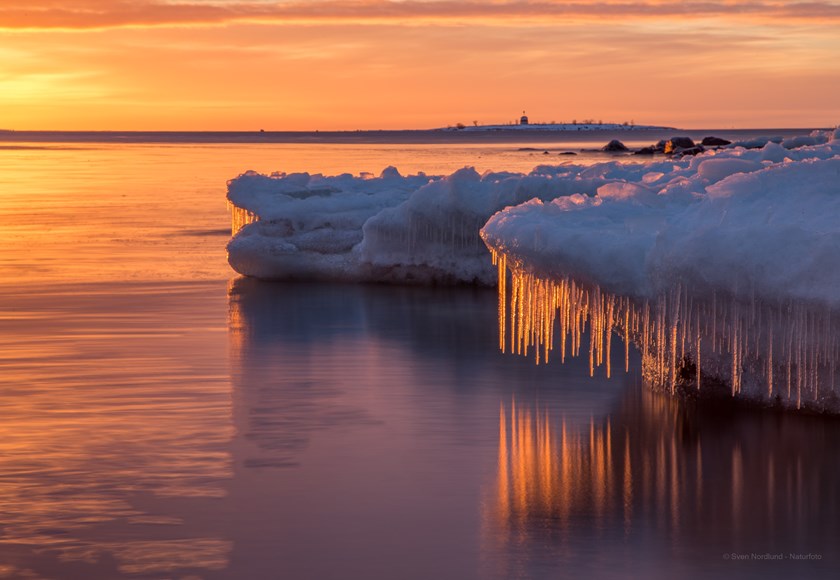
557	127
584	125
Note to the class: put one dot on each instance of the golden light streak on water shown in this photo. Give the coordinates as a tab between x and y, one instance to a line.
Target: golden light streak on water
107	413
504	485
653	465
737	485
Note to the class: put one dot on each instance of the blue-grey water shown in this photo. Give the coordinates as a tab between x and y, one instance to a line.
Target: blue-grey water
162	418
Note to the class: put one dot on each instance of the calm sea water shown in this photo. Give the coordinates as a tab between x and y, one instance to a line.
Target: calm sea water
163	419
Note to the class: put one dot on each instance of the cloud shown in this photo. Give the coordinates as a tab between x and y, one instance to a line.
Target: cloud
98	14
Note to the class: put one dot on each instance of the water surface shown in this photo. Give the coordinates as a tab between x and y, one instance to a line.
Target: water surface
162	419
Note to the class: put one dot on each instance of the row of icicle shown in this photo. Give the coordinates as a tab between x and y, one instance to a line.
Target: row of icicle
456	232
239	218
788	349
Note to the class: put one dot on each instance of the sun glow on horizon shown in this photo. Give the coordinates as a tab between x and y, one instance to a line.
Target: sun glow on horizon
333	65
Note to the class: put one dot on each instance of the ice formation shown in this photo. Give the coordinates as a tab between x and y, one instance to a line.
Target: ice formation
725	272
723	268
302	226
417	229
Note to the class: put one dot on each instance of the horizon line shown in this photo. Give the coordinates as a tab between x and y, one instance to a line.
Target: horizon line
450	129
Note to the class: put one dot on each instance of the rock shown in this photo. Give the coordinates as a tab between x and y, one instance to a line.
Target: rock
615	146
682	152
567	153
649	150
675	143
714	142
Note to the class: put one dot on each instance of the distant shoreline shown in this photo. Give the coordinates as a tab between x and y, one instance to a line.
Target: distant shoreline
499	134
562	127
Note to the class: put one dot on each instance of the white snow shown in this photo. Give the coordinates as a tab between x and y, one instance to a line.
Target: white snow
763	221
301	226
417	229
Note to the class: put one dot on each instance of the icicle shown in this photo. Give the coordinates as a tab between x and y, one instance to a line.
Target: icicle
749	342
239	218
501	261
609	328
697	352
733	338
592	334
714	322
672	371
626	338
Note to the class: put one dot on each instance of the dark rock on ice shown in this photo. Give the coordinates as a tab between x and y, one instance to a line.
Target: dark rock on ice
658	147
615	146
675	143
714	142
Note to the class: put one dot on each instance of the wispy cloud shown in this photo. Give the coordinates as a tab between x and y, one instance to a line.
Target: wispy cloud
90	14
305	64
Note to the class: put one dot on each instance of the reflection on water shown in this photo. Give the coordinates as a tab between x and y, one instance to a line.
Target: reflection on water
656	480
114	419
288	369
344	387
313	357
315	431
372	412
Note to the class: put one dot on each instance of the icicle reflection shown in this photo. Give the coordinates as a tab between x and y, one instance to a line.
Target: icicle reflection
658	468
784	353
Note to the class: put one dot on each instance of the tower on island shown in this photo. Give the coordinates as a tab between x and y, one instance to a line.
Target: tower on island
523	120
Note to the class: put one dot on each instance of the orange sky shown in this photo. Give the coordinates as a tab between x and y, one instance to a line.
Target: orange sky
333	64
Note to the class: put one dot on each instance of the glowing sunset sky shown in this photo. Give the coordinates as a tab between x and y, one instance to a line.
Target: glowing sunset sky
331	64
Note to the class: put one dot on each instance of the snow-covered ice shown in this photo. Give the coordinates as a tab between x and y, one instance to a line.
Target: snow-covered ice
302	226
724	271
417	229
723	266
759	221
